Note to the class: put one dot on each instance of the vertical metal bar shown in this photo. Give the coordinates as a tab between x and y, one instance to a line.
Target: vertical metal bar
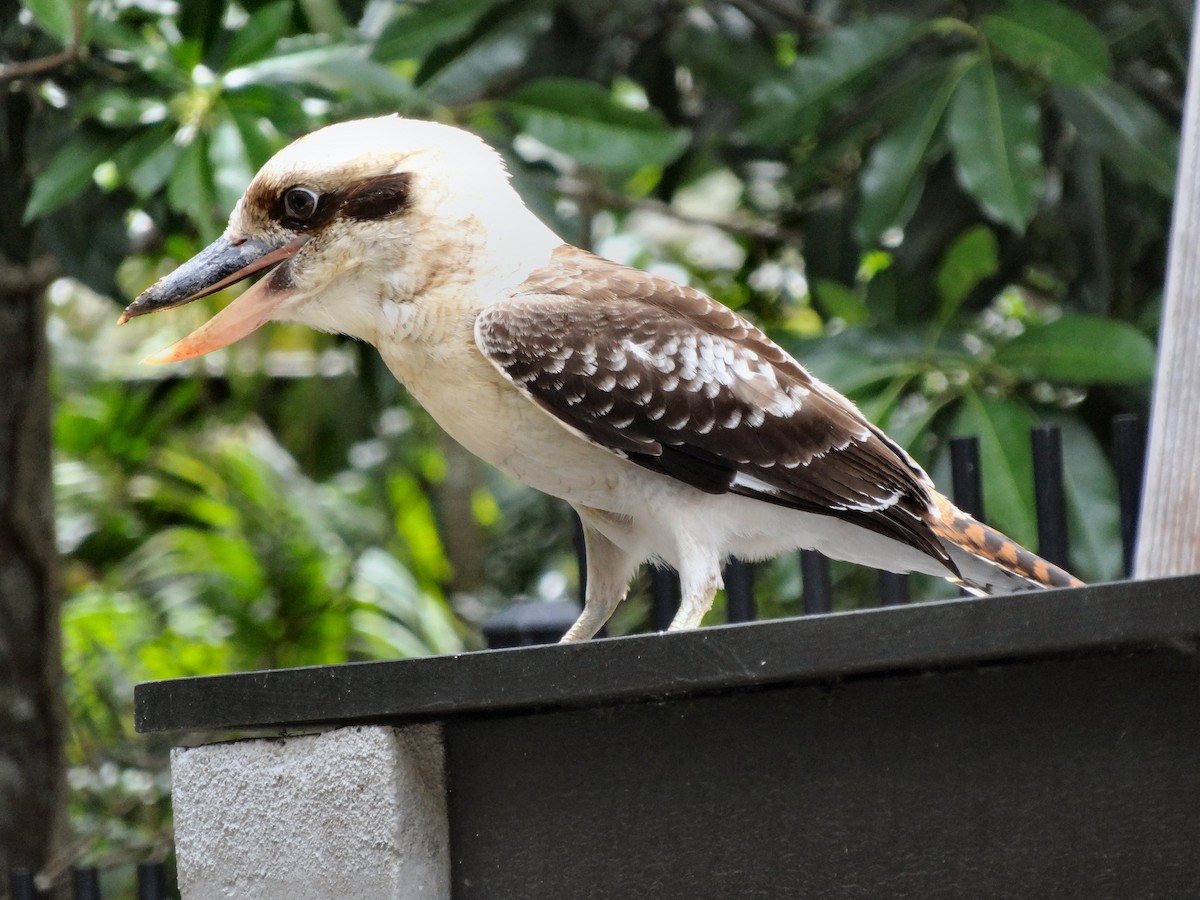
965	479
1050	494
21	886
664	597
86	883
739	591
151	881
816	583
580	556
1129	460
893	589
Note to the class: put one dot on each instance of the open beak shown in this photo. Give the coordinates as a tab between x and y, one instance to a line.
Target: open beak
217	266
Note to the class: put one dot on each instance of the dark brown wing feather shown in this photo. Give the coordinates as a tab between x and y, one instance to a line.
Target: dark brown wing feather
668	378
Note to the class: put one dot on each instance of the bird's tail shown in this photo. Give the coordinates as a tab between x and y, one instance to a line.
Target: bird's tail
990	562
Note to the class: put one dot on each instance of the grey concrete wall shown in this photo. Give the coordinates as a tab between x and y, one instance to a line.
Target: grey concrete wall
356	812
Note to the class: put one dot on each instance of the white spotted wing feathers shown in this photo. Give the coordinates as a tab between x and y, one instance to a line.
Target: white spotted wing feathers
673	381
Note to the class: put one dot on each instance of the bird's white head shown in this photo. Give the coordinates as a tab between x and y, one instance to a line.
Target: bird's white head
364	223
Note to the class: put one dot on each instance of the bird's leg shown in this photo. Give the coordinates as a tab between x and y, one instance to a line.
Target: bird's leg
699	581
608	572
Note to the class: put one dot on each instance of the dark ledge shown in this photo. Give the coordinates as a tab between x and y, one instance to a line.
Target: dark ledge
1119	617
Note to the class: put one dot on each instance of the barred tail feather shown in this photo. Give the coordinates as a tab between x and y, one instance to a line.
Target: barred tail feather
990	562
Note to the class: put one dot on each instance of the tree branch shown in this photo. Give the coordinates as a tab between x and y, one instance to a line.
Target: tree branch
29	67
595	195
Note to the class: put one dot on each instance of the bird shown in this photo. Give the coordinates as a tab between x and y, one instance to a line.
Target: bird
679	431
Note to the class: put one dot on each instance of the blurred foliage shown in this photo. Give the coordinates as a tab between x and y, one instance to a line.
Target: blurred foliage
957	216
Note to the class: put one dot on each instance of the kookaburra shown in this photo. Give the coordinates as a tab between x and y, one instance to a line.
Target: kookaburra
678	431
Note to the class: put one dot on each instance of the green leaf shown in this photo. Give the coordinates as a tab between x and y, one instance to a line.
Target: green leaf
418	28
148	158
69	173
116	107
972	257
583	121
190	188
732	66
1057	41
891	180
994	128
841	301
343	69
56	17
199	21
272	105
1006	462
500	48
857	360
908	425
229	160
1080	349
1126	131
258	147
791	106
1092	513
150	58
394	614
257	38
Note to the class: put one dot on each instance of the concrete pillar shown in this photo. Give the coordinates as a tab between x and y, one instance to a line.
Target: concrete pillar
356	812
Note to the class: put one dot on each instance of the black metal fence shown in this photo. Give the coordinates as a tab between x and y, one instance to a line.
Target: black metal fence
1128	442
534	623
85	883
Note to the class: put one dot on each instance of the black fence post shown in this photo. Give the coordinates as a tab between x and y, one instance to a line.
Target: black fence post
739	591
965	480
1129	461
664	597
529	623
580	556
21	885
893	589
816	583
151	881
86	883
1050	494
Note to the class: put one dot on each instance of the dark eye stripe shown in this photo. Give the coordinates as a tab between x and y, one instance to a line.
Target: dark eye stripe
378	198
300	208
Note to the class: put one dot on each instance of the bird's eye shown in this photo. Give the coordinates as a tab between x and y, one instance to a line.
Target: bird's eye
300	203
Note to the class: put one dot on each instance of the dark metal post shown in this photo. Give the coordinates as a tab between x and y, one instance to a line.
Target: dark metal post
893	589
1129	460
664	597
966	482
530	623
21	886
580	556
739	591
816	582
151	881
86	881
1050	494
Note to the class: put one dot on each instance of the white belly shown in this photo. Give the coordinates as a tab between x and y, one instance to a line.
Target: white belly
490	418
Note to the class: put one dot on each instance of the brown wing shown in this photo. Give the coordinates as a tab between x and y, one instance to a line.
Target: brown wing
675	382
